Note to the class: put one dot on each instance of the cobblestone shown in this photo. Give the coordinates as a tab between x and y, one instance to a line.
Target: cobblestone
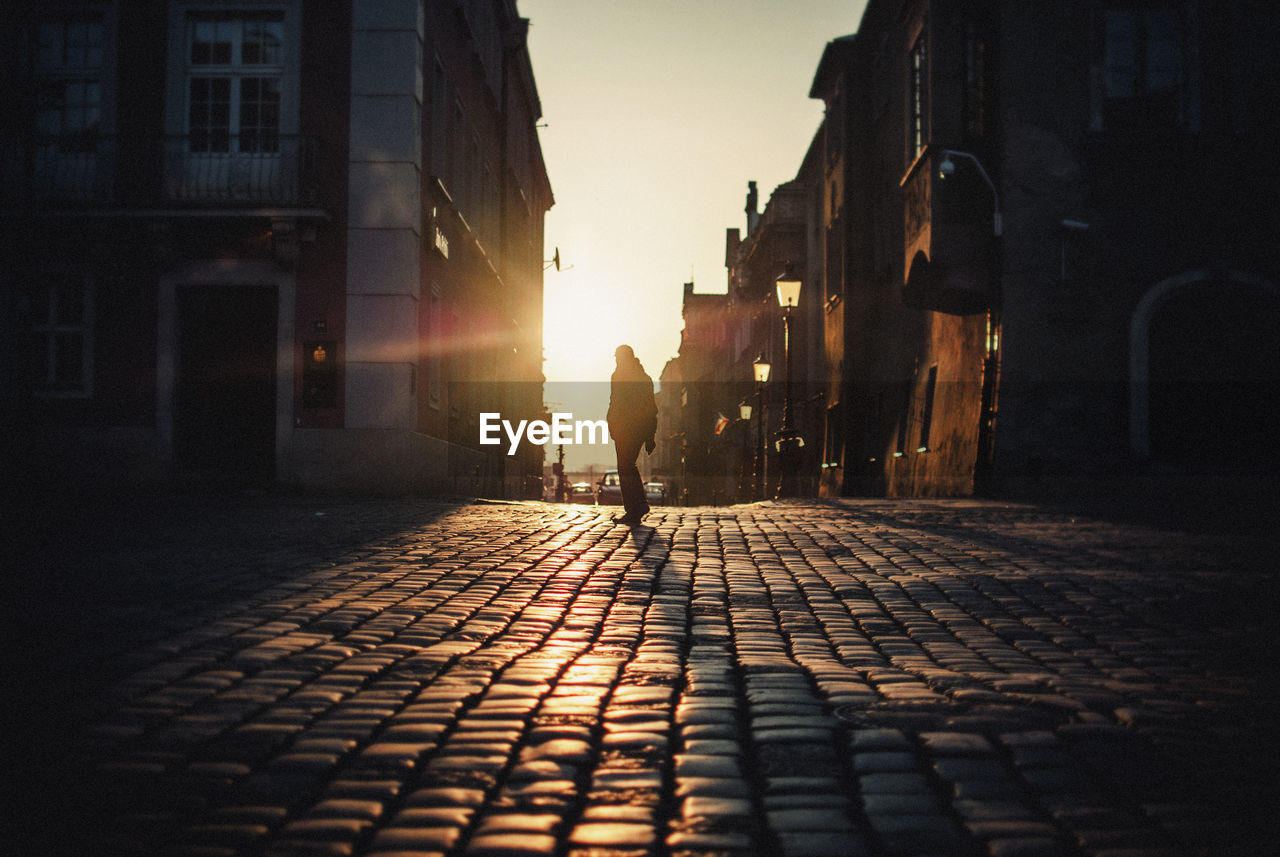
270	675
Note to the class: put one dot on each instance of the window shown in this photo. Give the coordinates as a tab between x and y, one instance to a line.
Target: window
835	258
881	79
903	393
231	113
234	70
59	307
918	99
975	84
457	154
67	73
439	116
834	453
488	201
834	125
68	66
435	347
926	413
1142	67
487	41
472	190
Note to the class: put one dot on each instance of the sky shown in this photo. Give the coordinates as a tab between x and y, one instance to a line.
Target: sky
656	114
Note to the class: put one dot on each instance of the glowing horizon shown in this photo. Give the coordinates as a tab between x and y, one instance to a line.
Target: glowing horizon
656	115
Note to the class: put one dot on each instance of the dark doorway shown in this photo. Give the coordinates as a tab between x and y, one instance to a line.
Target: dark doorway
225	409
1215	375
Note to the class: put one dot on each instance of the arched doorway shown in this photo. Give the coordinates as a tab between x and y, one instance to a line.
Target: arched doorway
1205	381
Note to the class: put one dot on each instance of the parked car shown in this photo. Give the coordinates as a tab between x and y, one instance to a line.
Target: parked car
609	489
582	492
655	493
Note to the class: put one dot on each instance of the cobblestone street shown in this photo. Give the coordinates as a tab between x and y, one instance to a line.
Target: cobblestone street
271	675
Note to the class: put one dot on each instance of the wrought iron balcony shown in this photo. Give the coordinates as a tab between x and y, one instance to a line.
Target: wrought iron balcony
263	169
186	171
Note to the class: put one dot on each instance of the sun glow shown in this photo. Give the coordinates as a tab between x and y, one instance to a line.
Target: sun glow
579	324
655	117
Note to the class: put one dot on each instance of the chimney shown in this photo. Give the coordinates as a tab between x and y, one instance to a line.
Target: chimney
753	203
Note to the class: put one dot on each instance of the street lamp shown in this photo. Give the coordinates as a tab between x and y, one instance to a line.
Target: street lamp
745	451
788	441
761	371
948	167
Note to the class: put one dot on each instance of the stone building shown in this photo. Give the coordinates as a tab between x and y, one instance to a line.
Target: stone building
281	241
1053	260
776	244
692	393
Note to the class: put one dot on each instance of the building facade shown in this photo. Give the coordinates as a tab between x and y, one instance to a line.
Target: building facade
776	243
693	392
720	451
1056	241
284	242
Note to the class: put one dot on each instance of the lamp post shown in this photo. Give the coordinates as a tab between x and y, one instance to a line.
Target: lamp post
948	166
743	438
788	441
761	371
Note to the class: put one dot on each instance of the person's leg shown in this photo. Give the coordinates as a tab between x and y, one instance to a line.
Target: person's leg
633	501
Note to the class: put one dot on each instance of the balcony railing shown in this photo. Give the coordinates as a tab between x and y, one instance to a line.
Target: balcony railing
241	170
230	172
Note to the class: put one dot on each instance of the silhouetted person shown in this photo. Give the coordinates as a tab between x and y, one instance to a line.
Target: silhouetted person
633	421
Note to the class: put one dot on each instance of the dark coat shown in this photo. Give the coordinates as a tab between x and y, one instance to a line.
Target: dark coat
633	411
